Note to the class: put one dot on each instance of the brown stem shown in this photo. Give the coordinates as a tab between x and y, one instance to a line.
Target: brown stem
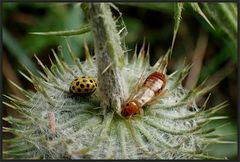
197	60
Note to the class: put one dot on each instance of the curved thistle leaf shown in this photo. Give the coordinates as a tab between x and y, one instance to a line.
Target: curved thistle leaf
197	9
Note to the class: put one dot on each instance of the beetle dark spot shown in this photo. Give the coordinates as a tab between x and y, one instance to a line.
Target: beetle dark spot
86	90
91	80
84	77
93	85
88	85
76	79
96	84
84	80
73	87
82	85
77	83
79	90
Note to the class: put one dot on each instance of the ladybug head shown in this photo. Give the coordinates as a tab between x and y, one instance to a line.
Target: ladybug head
129	109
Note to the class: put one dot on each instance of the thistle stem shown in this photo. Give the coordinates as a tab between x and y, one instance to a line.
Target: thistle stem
108	51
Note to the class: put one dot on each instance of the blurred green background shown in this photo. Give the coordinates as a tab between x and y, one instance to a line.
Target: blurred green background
213	53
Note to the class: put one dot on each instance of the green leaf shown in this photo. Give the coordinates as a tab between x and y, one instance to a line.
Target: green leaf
16	50
196	8
177	20
224	17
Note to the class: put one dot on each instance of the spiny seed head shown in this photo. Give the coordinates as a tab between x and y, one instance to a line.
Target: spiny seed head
57	125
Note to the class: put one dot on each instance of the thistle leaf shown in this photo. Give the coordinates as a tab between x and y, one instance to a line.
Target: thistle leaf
177	19
196	8
224	16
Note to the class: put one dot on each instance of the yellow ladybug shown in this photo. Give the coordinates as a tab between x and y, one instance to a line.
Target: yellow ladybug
83	85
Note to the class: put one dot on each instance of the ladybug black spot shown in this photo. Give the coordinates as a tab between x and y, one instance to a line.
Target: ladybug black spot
76	79
73	87
88	85
79	90
93	85
91	81
77	83
96	84
84	77
84	80
86	90
82	85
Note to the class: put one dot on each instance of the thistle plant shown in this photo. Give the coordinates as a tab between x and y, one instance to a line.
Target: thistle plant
58	125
